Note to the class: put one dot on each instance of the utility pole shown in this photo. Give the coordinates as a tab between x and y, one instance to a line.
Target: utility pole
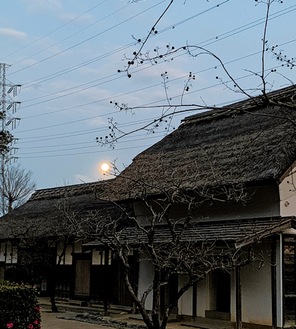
8	122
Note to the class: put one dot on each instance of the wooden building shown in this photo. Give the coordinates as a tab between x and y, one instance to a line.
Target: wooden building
246	149
238	163
42	243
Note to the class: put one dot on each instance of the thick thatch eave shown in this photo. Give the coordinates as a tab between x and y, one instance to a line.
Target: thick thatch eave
240	144
46	213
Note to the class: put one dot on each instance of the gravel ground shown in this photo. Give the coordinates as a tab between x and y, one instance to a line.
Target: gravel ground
74	318
82	318
54	321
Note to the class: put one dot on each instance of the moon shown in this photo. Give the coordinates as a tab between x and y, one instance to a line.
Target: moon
105	166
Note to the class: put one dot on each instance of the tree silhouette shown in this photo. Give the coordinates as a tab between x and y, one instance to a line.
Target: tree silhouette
16	187
263	78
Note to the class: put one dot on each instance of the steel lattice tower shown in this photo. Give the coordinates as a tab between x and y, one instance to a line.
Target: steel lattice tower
8	122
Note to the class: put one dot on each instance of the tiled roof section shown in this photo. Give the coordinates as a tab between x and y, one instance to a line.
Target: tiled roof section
207	231
241	232
241	144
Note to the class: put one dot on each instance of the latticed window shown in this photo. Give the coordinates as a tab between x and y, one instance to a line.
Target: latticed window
289	260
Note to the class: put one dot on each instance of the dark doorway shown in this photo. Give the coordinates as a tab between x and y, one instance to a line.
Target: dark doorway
120	292
222	287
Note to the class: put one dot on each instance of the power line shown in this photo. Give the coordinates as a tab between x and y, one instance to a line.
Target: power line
65	71
115	76
72	146
140	89
83	153
29	84
147	87
143	106
52	31
84	41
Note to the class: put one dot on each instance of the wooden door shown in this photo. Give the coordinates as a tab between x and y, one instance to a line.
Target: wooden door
82	277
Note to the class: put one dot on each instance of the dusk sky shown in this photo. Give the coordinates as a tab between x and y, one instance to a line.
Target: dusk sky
66	55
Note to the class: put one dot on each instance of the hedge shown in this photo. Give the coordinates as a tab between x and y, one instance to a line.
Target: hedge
18	307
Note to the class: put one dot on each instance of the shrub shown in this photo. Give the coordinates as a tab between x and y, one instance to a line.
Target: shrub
18	307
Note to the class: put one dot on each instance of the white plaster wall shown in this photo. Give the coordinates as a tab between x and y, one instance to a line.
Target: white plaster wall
67	259
202	298
185	302
256	292
256	282
287	190
264	202
256	289
233	296
146	271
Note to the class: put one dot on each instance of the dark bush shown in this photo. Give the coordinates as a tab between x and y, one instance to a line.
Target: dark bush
18	307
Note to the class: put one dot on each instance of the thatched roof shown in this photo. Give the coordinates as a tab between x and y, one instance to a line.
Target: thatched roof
48	212
248	142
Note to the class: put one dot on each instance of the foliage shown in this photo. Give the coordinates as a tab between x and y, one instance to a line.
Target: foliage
5	140
18	307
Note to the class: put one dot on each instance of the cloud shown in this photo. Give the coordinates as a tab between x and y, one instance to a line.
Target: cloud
12	33
43	5
96	122
56	8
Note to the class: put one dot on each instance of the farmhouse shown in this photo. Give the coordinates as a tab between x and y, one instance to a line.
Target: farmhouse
42	244
241	161
237	166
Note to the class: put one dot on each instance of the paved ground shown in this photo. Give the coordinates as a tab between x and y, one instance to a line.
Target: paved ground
56	320
52	321
62	320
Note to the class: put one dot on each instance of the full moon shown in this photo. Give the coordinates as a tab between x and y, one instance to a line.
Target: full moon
105	166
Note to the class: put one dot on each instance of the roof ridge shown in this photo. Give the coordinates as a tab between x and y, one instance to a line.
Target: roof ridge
81	188
246	104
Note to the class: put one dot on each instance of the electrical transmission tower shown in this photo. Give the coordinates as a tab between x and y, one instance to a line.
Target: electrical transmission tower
8	122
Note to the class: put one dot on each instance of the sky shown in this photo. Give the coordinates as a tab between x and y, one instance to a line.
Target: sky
69	57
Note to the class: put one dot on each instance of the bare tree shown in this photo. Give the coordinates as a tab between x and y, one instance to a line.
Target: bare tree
42	240
67	226
167	234
16	188
159	235
263	79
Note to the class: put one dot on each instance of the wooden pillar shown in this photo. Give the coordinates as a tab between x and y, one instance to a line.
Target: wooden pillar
238	299
273	283
194	300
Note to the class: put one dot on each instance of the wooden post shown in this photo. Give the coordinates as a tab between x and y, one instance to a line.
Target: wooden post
194	301
273	283
238	298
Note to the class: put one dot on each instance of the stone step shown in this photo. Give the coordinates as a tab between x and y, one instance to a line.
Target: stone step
93	306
